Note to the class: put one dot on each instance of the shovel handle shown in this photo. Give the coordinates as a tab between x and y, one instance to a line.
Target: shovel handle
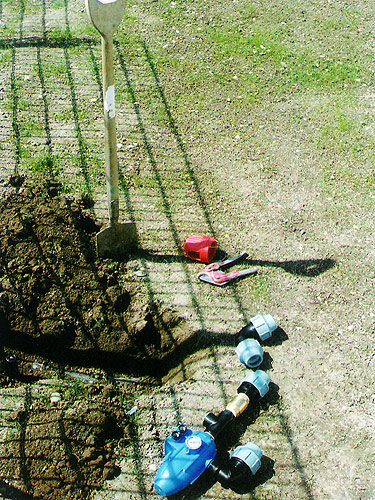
110	143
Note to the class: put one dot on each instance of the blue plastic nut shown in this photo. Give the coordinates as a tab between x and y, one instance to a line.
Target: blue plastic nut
186	458
250	353
264	325
251	454
260	380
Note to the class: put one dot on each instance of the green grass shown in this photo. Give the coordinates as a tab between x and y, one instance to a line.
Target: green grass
44	164
274	63
5	58
260	289
346	137
11	5
55	69
345	131
67	115
31	127
57	4
74	390
253	54
18	99
59	37
7	33
250	55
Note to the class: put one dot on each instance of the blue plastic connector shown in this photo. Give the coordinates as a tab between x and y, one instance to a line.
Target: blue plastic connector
246	340
250	353
250	454
260	380
265	325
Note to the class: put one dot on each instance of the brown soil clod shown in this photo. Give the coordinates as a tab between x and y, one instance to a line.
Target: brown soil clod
65	451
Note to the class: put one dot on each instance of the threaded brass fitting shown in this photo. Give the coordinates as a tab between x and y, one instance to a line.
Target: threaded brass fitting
238	404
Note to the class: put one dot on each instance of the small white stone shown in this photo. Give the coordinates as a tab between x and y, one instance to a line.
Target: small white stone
55	397
132	410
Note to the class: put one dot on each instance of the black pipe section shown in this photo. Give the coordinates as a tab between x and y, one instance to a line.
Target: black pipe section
229	471
247	332
250	390
215	424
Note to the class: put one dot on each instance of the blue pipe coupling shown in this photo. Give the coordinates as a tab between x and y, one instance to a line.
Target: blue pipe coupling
265	325
250	353
250	454
258	379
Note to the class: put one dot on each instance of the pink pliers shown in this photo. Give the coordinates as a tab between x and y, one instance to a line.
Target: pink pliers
212	273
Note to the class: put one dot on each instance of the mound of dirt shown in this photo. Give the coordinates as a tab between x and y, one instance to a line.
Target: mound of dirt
59	302
67	449
65	312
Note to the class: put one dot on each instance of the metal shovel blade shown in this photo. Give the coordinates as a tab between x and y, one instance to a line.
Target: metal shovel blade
116	241
105	15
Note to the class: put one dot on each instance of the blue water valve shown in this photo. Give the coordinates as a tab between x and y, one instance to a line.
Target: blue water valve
187	455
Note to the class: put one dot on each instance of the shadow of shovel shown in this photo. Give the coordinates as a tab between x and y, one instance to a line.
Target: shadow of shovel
117	239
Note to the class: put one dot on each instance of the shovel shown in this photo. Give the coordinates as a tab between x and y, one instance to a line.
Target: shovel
118	238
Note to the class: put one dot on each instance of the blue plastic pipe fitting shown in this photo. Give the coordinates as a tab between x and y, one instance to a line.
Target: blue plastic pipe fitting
250	353
258	379
265	325
260	328
236	468
248	349
250	454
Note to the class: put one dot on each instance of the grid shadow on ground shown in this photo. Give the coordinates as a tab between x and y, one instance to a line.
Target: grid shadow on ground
51	104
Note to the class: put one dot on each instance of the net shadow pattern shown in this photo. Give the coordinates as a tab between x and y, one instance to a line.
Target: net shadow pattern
52	125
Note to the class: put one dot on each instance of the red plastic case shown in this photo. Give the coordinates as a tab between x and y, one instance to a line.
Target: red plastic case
200	247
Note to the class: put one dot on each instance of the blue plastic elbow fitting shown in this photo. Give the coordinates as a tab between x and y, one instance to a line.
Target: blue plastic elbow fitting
248	349
250	353
259	328
243	459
